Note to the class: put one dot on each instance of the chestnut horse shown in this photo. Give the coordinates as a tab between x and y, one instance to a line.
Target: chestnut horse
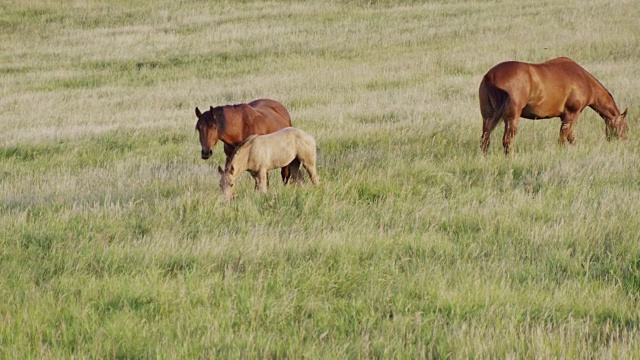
556	88
232	124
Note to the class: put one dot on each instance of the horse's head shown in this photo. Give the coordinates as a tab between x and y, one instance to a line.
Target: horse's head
207	128
618	127
227	182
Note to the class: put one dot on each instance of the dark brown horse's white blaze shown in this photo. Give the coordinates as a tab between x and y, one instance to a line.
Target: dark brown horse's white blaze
232	124
556	88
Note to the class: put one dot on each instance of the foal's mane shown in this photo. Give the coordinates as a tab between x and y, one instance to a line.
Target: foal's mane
243	142
240	146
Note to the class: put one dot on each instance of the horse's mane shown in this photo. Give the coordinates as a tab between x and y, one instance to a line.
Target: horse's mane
218	113
597	82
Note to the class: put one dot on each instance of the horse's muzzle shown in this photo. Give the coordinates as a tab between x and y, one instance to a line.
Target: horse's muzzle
206	154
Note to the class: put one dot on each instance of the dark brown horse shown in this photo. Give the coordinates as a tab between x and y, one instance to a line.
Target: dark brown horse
556	88
232	124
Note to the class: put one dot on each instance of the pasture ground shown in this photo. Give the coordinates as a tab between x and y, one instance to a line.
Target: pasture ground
114	241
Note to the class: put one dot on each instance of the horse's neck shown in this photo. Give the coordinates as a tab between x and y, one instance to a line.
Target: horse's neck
229	126
222	126
603	102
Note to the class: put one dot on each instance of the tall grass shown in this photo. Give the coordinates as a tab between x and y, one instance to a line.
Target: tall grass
114	241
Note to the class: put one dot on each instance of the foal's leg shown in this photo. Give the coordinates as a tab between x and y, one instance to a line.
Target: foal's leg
262	181
228	149
313	174
310	165
256	179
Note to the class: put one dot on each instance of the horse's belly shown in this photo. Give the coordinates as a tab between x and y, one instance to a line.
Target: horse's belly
538	113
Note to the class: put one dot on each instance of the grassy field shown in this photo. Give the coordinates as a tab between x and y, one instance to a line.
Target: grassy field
114	242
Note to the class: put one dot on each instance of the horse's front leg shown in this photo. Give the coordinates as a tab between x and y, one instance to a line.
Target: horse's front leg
566	129
285	174
228	150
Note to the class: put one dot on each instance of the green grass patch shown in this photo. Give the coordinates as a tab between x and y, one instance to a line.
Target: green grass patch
115	241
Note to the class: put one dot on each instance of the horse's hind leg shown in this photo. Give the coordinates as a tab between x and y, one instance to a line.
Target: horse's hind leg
487	127
296	175
287	171
491	114
510	130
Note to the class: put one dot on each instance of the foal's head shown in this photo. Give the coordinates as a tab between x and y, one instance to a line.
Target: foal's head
207	128
227	182
618	127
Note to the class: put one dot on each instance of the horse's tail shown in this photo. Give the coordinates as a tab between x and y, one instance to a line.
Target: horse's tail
493	102
501	103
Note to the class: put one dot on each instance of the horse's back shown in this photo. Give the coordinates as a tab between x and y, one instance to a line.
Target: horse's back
560	62
259	117
271	111
291	139
559	73
506	75
289	134
554	70
303	138
551	81
282	139
563	70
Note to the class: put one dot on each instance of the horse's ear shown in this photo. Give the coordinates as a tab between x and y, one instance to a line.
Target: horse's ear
231	169
198	113
220	171
624	114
